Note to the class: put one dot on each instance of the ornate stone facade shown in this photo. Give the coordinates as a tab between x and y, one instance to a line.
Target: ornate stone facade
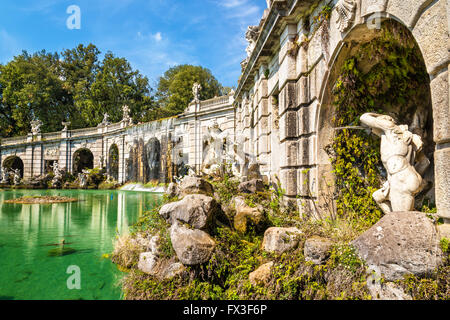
283	101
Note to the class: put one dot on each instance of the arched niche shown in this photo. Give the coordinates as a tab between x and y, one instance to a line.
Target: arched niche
153	157
13	163
82	159
113	162
356	85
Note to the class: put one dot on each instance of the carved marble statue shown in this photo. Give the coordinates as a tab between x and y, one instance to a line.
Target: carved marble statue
196	91
105	119
82	177
126	118
36	127
66	126
399	148
57	179
5	176
251	36
17	178
213	152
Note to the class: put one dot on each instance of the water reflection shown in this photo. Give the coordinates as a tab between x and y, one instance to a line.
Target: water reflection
89	225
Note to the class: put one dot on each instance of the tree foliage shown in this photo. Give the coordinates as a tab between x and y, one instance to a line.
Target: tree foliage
174	91
76	86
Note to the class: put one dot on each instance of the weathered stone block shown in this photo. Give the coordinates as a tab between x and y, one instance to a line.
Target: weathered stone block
302	88
401	243
194	185
263	144
280	240
261	276
307	182
315	49
288	125
406	10
305	157
289	154
263	108
431	34
197	210
441	108
442	182
191	246
252	186
288	178
317	249
287	98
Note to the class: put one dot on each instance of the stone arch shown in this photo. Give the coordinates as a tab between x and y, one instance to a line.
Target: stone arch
113	161
82	159
419	116
13	163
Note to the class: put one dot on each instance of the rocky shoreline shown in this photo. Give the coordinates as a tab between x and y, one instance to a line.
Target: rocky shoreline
231	240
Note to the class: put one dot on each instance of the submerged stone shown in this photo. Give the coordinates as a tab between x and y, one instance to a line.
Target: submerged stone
58	252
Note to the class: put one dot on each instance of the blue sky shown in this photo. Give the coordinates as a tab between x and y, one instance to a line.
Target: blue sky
152	34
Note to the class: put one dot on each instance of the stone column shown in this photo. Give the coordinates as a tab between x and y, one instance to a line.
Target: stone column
287	107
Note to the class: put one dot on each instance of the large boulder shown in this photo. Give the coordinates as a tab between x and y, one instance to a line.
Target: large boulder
261	276
246	215
401	243
174	270
317	249
195	185
148	263
253	171
197	210
280	240
191	246
252	186
172	190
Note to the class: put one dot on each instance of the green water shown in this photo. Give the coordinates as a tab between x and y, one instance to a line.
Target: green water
32	268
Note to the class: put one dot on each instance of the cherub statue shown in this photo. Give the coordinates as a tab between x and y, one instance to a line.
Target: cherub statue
17	178
213	155
126	118
196	91
399	148
36	127
5	176
82	177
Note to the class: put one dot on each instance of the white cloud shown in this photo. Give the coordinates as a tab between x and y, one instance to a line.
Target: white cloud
157	37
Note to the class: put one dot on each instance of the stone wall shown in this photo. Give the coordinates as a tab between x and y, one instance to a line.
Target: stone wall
175	138
284	83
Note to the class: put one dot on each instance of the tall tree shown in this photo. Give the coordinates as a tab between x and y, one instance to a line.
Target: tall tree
32	88
80	67
118	84
174	91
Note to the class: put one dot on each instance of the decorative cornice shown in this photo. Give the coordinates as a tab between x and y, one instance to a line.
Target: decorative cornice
346	13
